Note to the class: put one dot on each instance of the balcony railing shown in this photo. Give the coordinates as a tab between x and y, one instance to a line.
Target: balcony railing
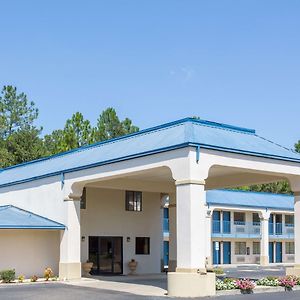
235	229
281	230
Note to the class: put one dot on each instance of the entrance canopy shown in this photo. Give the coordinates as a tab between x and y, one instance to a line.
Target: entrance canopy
183	133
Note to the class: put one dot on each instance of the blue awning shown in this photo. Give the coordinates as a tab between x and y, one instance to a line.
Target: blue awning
236	198
12	217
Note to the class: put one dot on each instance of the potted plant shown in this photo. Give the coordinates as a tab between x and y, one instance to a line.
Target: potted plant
288	282
132	266
245	285
86	268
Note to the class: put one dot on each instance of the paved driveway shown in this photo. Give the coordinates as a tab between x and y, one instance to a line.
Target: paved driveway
254	272
59	291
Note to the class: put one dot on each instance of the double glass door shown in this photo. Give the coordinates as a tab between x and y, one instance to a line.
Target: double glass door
106	253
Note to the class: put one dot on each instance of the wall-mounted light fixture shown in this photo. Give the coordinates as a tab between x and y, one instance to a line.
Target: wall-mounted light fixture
83	238
128	239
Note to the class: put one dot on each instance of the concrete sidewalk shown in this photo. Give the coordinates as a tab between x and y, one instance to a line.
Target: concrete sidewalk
143	285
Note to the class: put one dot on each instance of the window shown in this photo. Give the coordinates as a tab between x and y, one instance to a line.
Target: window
240	248
142	245
289	220
83	199
133	201
289	248
239	218
255	219
256	247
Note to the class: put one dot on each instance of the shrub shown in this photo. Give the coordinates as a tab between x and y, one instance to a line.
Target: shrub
245	285
33	278
21	278
218	271
8	275
268	281
48	273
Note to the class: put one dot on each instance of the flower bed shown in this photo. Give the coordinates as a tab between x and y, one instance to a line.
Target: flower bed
268	281
9	276
247	285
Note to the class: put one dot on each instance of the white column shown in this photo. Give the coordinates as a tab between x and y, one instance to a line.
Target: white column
191	278
172	234
70	265
297	229
296	270
264	242
208	239
191	226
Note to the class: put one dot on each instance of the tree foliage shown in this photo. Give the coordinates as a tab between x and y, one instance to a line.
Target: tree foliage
297	146
16	112
78	131
109	126
19	137
281	187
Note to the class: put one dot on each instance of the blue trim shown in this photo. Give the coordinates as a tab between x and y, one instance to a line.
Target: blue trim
251	153
247	205
254	192
32	227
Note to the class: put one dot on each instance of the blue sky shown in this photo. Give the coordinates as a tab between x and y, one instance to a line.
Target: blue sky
236	62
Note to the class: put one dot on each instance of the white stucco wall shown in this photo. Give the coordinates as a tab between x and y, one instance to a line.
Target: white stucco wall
105	215
43	197
29	252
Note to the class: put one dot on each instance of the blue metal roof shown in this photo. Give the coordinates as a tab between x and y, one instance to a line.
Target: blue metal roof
174	135
12	217
236	198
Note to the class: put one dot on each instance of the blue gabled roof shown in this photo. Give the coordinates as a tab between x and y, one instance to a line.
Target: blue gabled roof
237	198
12	217
174	135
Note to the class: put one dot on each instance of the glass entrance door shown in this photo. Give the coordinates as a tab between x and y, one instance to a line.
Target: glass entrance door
106	253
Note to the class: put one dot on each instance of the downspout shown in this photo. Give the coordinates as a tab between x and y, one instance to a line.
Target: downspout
197	154
62	179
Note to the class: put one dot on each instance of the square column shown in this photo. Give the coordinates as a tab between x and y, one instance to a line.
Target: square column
208	239
264	242
191	278
172	234
296	270
70	265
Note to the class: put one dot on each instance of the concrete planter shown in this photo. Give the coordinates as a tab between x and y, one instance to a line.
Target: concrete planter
86	268
132	265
